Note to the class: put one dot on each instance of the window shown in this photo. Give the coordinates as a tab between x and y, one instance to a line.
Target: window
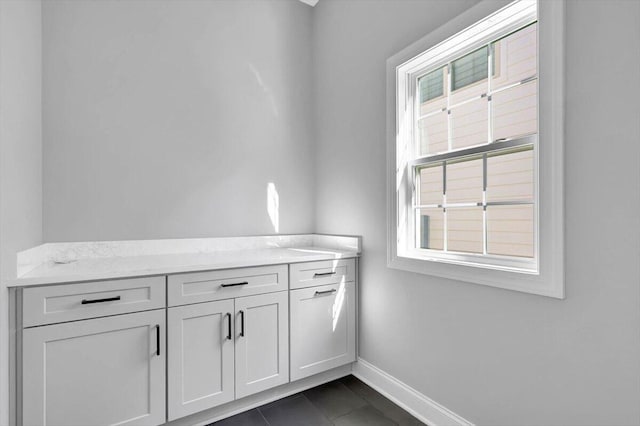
469	200
474	164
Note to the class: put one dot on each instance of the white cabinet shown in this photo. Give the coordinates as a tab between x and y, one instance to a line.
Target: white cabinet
225	350
262	345
89	356
323	326
103	371
201	362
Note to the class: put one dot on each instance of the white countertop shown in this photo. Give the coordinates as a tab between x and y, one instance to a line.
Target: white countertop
103	268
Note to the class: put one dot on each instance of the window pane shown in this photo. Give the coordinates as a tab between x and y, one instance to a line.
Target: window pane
464	229
431	186
431	229
464	181
469	123
510	176
433	134
515	57
431	86
510	230
515	111
470	68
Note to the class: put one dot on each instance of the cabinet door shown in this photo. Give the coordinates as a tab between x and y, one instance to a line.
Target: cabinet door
201	360
323	327
96	372
262	342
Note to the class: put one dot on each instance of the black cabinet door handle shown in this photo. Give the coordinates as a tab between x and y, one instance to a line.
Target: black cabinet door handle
158	339
107	299
323	274
229	329
234	284
320	293
241	323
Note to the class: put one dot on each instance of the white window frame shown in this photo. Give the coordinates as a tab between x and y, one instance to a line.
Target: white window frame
546	275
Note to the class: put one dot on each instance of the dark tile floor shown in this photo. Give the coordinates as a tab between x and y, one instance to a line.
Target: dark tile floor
343	402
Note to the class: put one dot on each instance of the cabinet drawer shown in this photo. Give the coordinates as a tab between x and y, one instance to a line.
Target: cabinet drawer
226	284
325	272
70	302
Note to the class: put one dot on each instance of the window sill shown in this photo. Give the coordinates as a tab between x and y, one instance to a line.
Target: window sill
496	263
506	278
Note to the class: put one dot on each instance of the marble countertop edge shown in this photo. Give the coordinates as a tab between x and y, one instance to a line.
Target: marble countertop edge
117	267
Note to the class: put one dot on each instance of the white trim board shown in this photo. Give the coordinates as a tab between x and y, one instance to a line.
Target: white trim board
420	406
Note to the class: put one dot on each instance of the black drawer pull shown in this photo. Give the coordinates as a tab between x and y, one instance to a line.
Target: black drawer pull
108	299
320	293
234	284
241	323
323	274
229	330
158	339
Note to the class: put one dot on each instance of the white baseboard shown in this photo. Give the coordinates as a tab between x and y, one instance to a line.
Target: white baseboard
423	408
419	405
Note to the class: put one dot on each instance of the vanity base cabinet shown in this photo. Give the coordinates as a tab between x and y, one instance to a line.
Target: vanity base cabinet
323	327
201	360
94	353
95	372
262	342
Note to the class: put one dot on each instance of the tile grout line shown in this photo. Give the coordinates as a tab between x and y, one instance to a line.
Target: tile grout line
332	420
370	403
367	403
317	408
262	415
346	414
329	419
367	400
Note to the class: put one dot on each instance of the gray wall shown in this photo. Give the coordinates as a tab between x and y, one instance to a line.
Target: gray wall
495	356
20	130
170	118
20	151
